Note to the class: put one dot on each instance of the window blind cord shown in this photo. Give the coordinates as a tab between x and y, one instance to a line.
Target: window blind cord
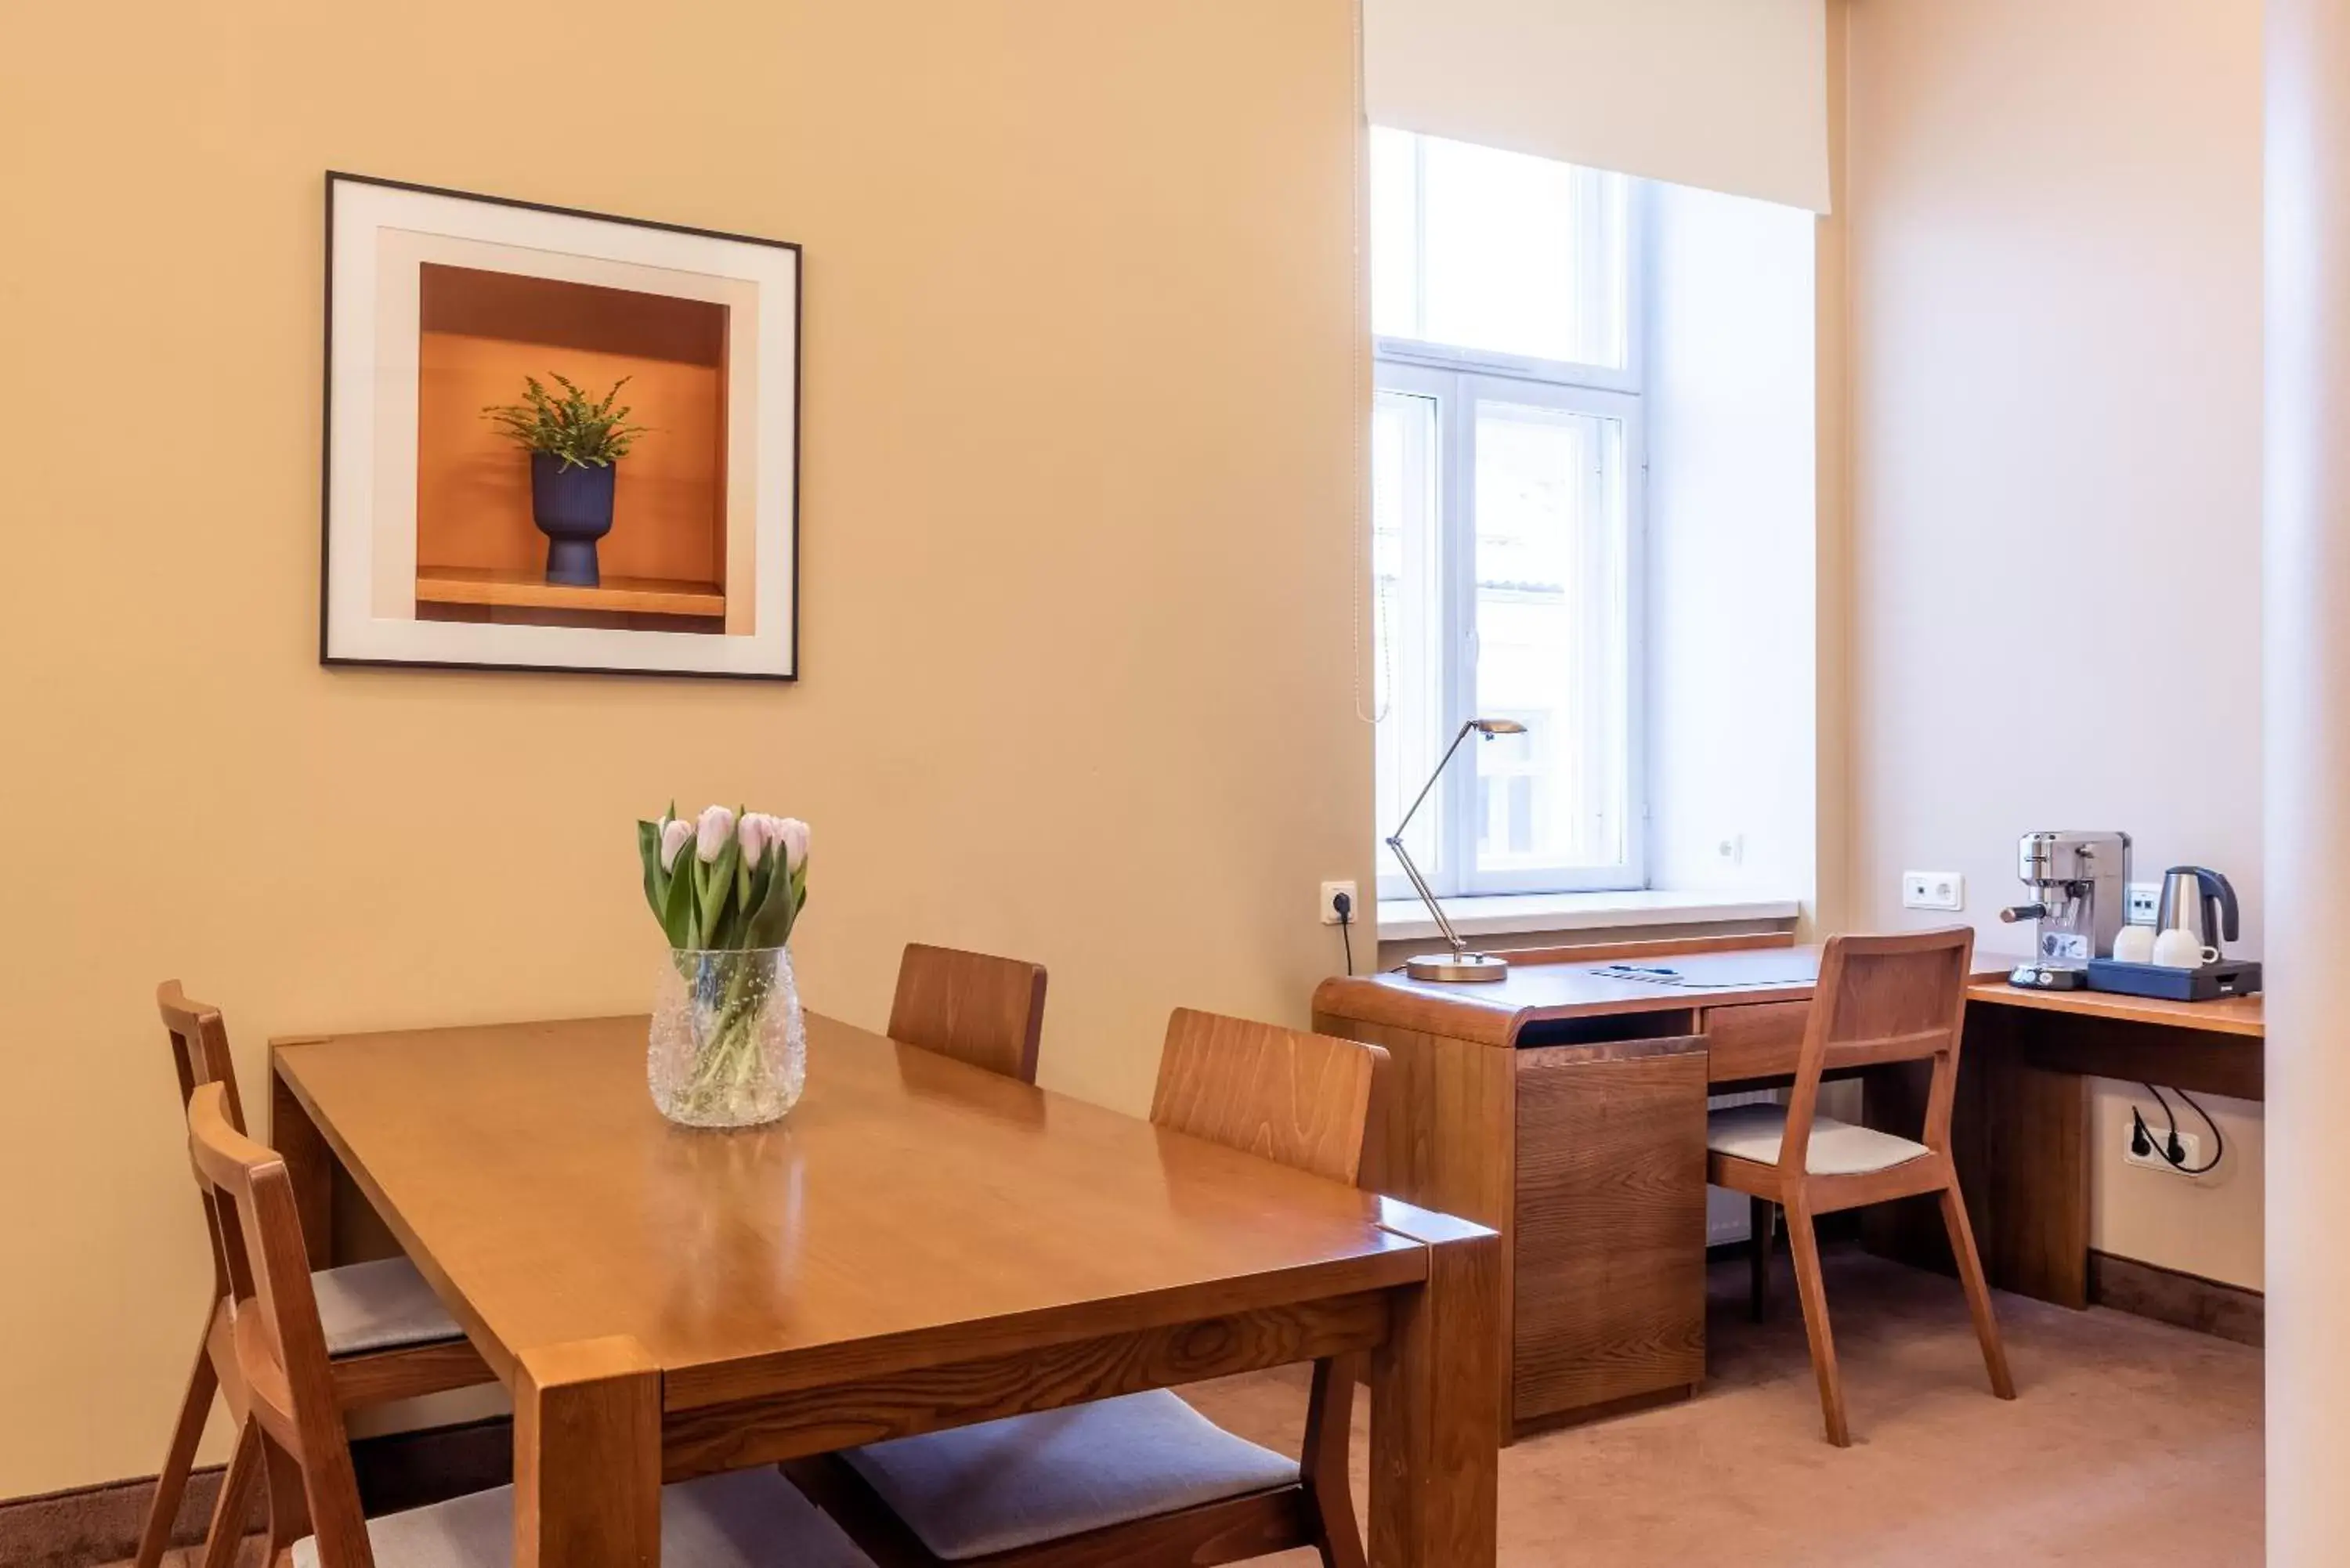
1358	514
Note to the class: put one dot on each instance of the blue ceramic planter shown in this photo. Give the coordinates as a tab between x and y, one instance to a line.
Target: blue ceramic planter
573	507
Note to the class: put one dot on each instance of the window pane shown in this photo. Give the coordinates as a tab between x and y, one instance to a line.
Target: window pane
1408	665
1552	642
1476	248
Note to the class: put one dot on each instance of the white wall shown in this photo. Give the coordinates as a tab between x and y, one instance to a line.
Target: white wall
2055	321
1731	512
1732	509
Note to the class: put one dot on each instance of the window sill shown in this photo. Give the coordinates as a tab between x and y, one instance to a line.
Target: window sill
1407	919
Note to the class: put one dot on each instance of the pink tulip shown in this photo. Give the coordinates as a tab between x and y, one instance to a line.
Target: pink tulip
793	834
710	833
755	832
675	836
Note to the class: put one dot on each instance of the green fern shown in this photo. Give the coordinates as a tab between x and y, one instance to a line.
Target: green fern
584	431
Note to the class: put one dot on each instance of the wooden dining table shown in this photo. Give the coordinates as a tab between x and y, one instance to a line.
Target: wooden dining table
918	1245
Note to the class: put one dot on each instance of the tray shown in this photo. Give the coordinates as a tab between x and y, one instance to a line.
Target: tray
2228	977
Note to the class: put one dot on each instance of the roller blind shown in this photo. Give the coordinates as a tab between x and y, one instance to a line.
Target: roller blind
1727	95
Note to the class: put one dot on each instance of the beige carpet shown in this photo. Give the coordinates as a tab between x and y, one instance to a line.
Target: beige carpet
2132	1444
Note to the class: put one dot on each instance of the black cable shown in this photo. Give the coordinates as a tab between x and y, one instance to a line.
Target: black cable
1345	907
2218	1138
2173	1151
2170	1141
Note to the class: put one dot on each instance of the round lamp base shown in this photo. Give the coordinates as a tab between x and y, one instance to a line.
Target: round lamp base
1456	967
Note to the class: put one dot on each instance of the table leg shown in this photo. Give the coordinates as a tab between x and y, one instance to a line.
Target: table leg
2035	1174
1435	1418
310	1164
588	1457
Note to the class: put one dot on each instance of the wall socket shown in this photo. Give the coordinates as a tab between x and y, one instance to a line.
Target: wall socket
1933	890
2192	1143
1330	892
2140	901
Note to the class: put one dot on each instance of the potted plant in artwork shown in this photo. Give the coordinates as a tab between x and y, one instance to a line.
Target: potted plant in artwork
575	444
729	1046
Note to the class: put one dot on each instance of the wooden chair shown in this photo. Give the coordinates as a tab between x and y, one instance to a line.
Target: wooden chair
1143	1481
386	1333
276	1337
986	1011
1880	999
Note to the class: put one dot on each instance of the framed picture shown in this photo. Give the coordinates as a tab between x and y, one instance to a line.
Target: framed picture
557	440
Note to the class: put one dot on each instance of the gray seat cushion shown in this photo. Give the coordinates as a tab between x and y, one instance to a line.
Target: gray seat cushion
750	1519
1012	1483
382	1306
1837	1148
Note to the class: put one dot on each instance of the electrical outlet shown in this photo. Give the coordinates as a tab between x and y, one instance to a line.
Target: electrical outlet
2192	1143
2141	902
1330	892
1933	890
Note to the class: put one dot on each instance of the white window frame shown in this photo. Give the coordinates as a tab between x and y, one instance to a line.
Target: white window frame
1457	378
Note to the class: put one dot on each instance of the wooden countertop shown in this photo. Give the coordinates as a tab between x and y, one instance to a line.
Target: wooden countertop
2227	1015
1492	1012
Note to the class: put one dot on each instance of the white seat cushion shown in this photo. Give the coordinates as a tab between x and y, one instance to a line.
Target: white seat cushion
1837	1148
1028	1479
750	1519
381	1305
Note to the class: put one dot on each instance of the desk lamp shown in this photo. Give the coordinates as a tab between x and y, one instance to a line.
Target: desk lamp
1460	964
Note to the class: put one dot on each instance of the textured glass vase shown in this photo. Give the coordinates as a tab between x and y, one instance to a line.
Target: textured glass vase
729	1046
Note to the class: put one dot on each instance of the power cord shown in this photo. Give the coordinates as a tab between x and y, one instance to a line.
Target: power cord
1345	907
2172	1151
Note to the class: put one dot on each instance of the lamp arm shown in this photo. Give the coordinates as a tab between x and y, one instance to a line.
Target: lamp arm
1413	809
1420	886
1410	871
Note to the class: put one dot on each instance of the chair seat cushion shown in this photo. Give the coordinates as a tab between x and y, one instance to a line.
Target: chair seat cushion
749	1518
1837	1148
1006	1484
382	1306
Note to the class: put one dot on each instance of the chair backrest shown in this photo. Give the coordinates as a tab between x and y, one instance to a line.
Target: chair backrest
1880	999
281	1352
199	1046
200	1055
1301	1099
977	1008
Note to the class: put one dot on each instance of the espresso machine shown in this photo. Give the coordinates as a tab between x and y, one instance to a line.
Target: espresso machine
2079	883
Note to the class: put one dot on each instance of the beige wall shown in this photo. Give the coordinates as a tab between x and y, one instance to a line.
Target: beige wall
2056	298
2307	684
1080	412
1831	839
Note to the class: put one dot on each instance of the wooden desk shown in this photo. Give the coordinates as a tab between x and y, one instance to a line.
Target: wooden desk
918	1245
2020	1130
1565	1108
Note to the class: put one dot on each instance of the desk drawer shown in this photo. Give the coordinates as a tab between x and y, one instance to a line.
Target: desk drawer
1608	1295
1756	1040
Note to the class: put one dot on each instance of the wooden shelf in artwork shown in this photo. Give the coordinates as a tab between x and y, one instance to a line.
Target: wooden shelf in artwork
529	590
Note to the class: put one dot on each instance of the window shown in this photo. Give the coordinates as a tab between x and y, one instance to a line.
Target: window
1506	460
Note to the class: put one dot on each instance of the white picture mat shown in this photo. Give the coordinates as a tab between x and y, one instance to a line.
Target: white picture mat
381	234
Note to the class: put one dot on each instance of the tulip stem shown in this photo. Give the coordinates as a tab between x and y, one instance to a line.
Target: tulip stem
728	1058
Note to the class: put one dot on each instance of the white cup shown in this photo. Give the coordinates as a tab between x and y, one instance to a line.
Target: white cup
2133	944
2177	950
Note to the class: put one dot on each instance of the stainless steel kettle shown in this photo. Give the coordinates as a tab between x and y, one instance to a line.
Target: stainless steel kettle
2198	901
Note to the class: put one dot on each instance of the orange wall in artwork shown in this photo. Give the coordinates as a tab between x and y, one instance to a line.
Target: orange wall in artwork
483	333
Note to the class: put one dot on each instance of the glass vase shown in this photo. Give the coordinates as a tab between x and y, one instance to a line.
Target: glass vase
729	1046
